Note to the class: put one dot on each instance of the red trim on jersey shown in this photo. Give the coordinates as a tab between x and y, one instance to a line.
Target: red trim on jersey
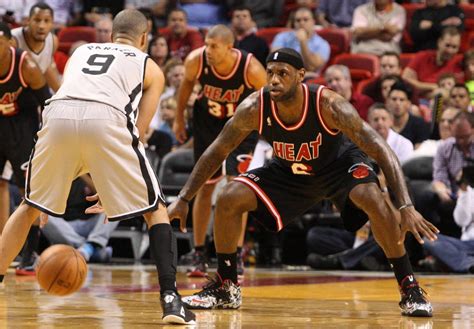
247	64
303	117
9	75
236	66
20	73
214	180
318	110
260	108
201	60
265	199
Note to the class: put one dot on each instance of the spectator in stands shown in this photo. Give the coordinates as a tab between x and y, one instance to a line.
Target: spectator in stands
103	28
468	64
425	68
377	27
459	97
389	66
204	13
405	123
88	233
96	9
168	114
182	39
314	49
428	23
381	119
455	254
243	26
264	13
159	51
66	12
337	13
338	78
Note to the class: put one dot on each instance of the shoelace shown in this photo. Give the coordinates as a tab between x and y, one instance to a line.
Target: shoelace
414	294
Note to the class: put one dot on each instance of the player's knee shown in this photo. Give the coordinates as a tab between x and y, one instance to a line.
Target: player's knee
369	198
233	199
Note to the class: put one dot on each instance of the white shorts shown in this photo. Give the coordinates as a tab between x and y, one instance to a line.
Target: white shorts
80	137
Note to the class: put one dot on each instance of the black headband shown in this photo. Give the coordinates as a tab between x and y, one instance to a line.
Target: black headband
281	56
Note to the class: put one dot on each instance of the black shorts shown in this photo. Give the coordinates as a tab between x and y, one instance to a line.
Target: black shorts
282	195
206	128
17	135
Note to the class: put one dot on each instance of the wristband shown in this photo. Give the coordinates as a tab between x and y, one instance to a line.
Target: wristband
405	206
182	198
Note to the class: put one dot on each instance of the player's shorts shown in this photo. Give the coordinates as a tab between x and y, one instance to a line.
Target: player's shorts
283	196
80	137
206	129
17	135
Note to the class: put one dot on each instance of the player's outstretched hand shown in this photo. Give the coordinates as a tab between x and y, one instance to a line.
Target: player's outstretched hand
412	221
179	129
43	219
179	210
97	208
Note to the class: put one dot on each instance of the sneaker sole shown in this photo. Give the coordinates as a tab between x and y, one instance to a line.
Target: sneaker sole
215	307
174	319
419	314
24	273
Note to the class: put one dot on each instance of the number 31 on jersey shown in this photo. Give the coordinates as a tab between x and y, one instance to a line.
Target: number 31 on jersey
221	110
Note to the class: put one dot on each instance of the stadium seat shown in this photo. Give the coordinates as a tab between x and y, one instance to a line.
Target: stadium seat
405	58
339	40
269	33
410	8
468	10
71	34
174	171
361	66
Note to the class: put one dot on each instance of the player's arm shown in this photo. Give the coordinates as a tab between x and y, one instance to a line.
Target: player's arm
153	86
256	74
191	68
339	114
34	78
244	121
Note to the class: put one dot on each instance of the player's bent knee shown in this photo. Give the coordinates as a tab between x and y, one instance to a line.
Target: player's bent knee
236	197
369	198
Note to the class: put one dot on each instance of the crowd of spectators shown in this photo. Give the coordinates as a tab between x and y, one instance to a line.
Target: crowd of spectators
419	99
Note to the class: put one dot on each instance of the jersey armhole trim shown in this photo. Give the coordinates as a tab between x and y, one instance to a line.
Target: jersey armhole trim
260	114
201	64
246	68
20	71
12	67
318	110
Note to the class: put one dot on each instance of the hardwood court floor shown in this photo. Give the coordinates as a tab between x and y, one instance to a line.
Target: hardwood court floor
127	297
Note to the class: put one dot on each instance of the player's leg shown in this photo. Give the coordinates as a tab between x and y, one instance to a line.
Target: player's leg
164	251
386	230
240	261
14	234
4	203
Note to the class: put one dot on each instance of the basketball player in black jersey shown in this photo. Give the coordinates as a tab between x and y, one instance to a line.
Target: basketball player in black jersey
227	76
314	133
20	81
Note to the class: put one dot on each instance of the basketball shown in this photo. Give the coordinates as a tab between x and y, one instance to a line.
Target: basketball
61	270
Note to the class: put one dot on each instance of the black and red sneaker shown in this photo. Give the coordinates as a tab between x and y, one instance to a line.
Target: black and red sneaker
199	266
414	299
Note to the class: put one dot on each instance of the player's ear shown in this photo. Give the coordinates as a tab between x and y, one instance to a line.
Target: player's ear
301	74
144	42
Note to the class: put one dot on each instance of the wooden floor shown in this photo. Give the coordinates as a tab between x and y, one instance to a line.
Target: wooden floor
127	297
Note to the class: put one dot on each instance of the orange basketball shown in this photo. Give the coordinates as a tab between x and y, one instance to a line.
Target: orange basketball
61	270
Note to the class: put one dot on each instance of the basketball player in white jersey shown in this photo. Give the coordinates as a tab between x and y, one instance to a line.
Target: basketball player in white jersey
36	38
92	125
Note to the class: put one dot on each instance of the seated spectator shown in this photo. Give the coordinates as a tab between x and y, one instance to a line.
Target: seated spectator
377	27
338	78
314	49
168	113
405	123
459	97
425	68
182	39
204	13
381	119
94	10
103	28
243	26
468	64
428	23
389	66
159	51
88	233
337	13
264	13
457	255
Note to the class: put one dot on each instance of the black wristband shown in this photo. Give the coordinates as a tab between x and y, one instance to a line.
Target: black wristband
182	198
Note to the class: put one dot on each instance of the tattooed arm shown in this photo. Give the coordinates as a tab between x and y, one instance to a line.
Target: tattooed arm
341	115
244	121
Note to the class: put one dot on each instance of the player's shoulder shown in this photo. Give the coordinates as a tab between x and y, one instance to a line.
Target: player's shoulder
195	55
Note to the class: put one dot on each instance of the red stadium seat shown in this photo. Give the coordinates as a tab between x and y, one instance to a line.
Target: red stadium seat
269	33
468	16
361	66
71	34
405	58
338	39
410	8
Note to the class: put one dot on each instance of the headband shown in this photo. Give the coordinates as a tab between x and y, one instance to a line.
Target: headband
283	56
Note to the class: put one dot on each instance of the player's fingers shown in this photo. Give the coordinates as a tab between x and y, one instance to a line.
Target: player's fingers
417	236
94	197
43	219
401	239
182	224
428	233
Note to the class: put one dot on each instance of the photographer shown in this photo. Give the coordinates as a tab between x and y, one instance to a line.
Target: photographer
458	254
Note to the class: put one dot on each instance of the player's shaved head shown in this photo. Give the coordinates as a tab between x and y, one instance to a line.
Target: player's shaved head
129	22
221	32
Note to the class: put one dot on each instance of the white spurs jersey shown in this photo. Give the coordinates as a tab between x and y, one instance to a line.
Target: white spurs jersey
107	73
44	58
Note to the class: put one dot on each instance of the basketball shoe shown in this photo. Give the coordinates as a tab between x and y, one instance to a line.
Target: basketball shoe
27	265
414	301
216	294
199	266
174	310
